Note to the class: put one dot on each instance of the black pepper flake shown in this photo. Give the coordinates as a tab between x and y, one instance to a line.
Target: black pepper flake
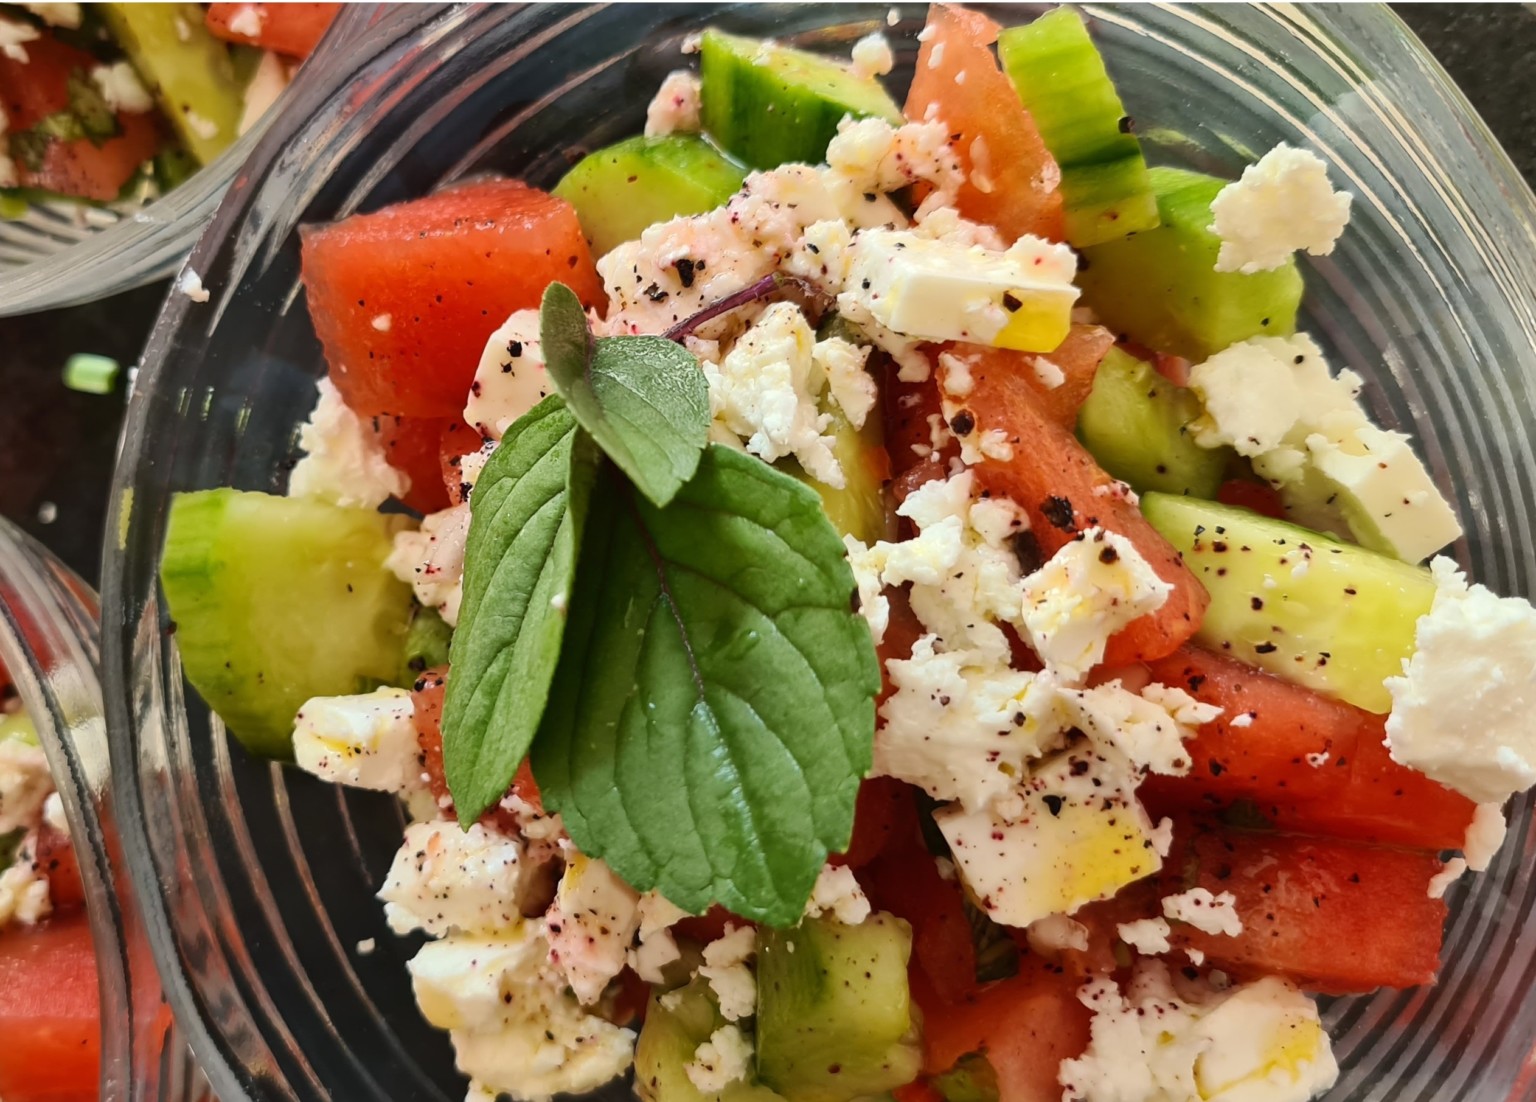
1058	512
655	293
685	269
1054	804
1011	302
963	423
1108	555
1256	603
1265	648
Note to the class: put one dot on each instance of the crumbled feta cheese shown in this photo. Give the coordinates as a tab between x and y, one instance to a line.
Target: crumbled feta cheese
1055	934
655	947
120	86
1259	1042
1442	880
14	35
867	564
822	257
24	889
446	879
53	814
956	375
725	967
1148	936
1485	835
872	155
56	15
594	917
837	893
366	741
1211	914
765	392
1050	375
515	1028
724	1059
1273	399
383	322
1282	204
872	56
511	378
1318	760
204	127
431	559
24	784
248	20
675	107
1074	834
1147	729
1090	589
1461	711
344	463
366	947
849	385
921	288
190	284
947	225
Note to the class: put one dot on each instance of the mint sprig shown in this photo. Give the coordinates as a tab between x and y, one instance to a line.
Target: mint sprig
526	518
643	399
713	709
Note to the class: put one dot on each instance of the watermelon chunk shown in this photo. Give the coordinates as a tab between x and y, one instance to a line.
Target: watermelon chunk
1053	478
403	299
411	446
290	29
1336	917
1012	181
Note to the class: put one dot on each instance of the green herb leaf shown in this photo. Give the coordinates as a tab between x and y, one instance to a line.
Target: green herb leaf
526	516
713	711
643	399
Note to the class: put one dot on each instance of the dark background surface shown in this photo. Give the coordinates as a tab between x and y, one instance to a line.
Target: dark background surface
57	446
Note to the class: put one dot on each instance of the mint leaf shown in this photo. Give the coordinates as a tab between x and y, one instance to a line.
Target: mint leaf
713	710
526	517
643	399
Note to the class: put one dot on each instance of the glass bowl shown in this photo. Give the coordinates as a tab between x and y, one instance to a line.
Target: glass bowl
64	254
260	880
50	645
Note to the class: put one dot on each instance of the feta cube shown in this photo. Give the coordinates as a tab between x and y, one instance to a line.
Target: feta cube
511	377
446	879
1075	834
364	741
918	287
594	917
431	559
675	106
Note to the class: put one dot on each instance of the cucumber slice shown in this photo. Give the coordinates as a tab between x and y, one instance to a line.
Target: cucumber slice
280	599
426	644
188	70
769	105
620	190
1058	73
1328	615
1160	287
972	1079
676	1024
859	508
1135	422
834	1016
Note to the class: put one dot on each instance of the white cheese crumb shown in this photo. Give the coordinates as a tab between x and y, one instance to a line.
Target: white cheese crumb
1318	760
364	741
1148	936
53	814
445	879
1243	719
1484	836
1050	375
366	947
190	284
655	947
724	1059
120	86
25	784
725	967
248	20
892	17
1282	204
1442	880
511	377
1211	914
837	893
202	126
14	35
872	56
675	107
24	889
382	322
431	560
344	463
589	926
1055	934
1461	711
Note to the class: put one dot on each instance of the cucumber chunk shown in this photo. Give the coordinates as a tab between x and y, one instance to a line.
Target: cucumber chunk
1135	422
188	70
277	600
1160	287
676	1024
620	190
1334	617
834	1016
858	509
1058	73
972	1079
769	105
426	643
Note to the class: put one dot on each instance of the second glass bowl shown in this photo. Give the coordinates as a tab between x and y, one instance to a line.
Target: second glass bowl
261	880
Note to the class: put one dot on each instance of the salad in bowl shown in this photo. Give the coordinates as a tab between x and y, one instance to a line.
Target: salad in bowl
866	598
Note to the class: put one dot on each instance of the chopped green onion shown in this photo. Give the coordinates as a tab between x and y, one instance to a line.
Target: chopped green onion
90	373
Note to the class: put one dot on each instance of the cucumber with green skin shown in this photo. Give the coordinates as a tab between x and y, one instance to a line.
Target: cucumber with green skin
1332	616
835	1020
1061	79
277	600
1135	423
620	190
188	70
676	1024
768	105
1160	287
